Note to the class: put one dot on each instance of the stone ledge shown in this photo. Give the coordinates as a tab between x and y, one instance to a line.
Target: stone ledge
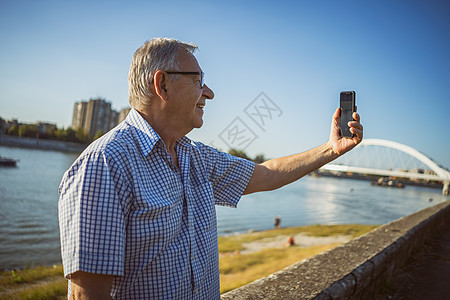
354	270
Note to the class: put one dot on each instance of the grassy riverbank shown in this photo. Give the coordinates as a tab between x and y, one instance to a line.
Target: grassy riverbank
33	283
238	265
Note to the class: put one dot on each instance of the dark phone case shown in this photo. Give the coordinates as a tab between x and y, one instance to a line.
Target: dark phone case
345	118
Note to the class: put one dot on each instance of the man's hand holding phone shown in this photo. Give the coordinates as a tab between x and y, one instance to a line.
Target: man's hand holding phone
346	129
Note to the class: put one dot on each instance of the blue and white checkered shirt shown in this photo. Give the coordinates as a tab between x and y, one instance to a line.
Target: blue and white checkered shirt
125	209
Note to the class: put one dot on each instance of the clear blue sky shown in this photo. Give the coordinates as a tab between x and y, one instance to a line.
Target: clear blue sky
301	54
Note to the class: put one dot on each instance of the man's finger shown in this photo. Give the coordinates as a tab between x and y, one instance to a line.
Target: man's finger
337	113
355	124
356	117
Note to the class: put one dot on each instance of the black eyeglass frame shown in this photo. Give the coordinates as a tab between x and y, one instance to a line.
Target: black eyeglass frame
202	75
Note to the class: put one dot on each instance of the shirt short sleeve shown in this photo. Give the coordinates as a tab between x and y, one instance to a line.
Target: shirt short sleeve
228	174
92	218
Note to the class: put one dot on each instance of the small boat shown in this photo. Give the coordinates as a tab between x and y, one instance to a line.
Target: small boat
8	162
383	181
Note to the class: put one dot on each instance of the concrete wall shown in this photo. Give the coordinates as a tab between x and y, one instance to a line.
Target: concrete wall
354	270
7	140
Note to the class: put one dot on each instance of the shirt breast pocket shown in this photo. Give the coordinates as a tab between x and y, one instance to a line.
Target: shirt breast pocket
205	210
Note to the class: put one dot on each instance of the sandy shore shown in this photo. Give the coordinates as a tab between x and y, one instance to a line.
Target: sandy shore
301	240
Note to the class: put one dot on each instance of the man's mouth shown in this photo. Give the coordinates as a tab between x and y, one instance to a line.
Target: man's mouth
200	105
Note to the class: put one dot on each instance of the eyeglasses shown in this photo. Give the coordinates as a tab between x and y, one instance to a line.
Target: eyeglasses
202	75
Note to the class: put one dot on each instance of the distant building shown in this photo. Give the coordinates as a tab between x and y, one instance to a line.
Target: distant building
7	124
46	129
79	114
96	115
123	114
93	116
3	125
114	119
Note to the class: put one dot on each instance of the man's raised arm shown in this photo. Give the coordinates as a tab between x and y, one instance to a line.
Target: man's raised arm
278	172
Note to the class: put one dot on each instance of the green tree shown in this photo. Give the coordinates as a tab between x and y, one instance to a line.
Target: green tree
259	159
83	136
70	135
60	134
49	134
13	130
238	153
23	129
28	130
98	134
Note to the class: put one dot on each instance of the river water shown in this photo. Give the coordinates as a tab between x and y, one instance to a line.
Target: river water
29	233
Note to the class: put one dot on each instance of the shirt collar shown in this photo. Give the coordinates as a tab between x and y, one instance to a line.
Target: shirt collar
146	136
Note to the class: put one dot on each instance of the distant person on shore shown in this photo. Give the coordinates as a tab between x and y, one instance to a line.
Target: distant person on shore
136	209
277	222
290	242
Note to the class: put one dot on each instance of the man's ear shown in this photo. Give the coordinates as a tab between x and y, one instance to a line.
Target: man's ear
160	80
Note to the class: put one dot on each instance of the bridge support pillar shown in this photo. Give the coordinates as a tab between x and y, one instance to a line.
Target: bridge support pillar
445	189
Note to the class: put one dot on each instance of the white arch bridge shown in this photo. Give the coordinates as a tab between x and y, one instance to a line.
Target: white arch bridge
437	173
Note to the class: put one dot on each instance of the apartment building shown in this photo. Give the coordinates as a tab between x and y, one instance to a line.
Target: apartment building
95	115
123	114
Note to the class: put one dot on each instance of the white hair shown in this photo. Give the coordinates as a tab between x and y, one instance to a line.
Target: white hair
154	55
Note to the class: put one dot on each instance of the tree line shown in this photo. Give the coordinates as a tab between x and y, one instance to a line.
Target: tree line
259	158
61	134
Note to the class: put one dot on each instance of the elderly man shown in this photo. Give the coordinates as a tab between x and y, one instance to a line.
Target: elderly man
136	209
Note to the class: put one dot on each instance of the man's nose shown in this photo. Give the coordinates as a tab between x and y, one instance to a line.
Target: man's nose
207	92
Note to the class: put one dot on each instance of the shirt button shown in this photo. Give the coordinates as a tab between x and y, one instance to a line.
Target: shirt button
193	257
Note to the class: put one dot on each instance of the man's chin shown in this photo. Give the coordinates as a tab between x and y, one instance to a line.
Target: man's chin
199	124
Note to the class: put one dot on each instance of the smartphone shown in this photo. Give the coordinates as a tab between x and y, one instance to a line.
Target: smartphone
347	109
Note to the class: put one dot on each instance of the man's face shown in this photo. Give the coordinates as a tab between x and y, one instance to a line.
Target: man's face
189	98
